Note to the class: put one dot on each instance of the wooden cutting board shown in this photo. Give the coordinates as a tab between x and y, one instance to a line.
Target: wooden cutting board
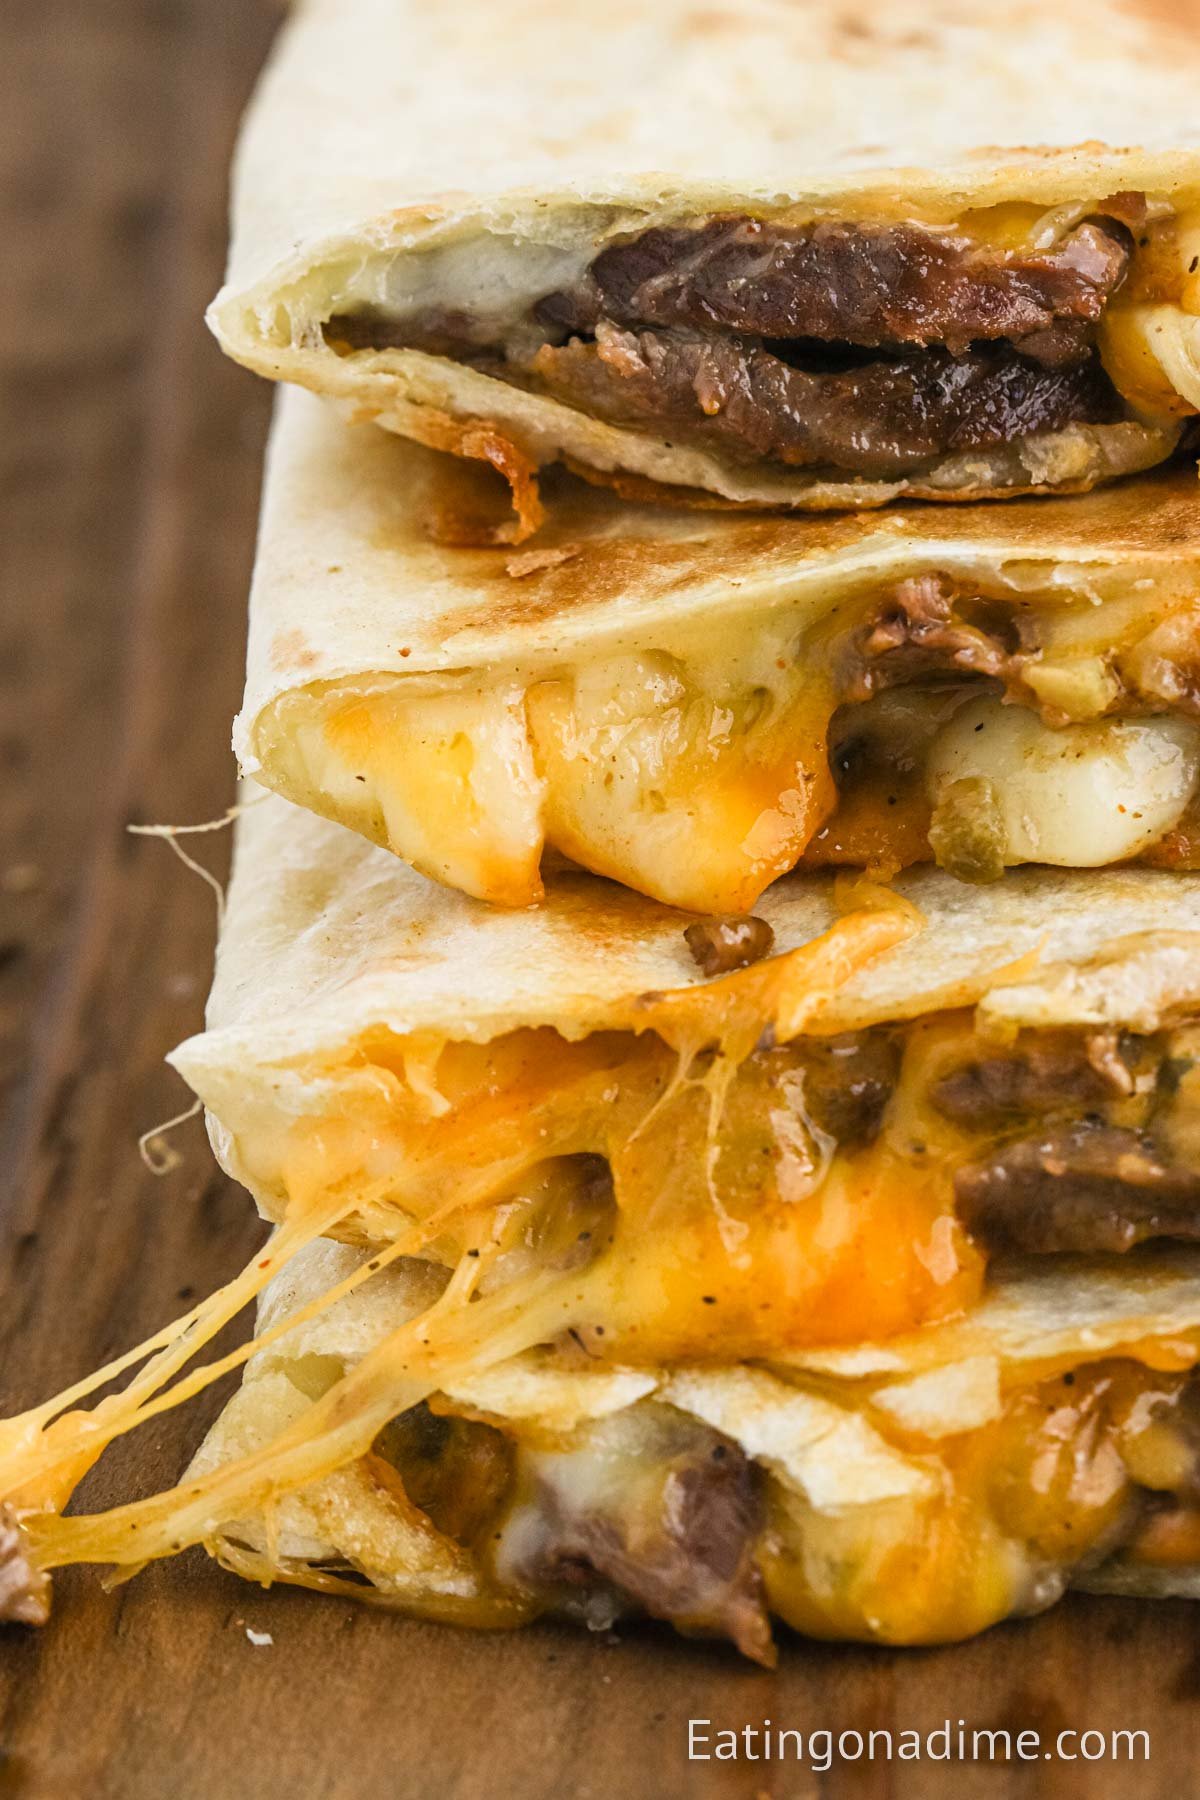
130	455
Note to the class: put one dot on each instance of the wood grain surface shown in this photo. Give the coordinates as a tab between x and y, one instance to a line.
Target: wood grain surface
129	460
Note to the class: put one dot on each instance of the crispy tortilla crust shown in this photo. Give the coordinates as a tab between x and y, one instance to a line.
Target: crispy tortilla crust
813	116
644	490
484	441
481	440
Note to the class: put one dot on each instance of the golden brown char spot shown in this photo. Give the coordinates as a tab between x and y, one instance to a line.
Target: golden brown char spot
291	650
710	21
644	490
625	544
1178	18
532	562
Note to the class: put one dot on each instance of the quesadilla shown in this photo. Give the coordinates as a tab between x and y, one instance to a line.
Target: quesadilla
770	252
912	1491
823	1143
891	1219
693	704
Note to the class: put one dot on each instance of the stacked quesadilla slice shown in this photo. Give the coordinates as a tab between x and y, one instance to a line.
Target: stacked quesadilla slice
694	704
702	1295
709	1000
765	254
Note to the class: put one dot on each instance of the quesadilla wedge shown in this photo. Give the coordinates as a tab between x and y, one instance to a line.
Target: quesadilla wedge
549	1136
693	704
768	253
910	1492
823	1143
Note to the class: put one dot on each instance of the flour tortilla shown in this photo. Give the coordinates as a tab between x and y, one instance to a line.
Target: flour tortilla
354	595
326	938
476	155
817	1441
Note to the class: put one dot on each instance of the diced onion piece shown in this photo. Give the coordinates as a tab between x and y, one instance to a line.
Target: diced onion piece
1151	355
1077	687
1150	346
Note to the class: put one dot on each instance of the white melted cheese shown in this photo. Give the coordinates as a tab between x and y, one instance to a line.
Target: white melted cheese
696	797
1078	797
697	770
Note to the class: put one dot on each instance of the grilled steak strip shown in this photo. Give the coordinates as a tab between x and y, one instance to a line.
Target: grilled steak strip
932	627
871	285
1086	1188
684	330
719	945
1055	1072
881	419
848	1081
676	1539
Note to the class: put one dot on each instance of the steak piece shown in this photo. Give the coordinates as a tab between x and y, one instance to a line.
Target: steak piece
871	285
1087	1187
657	1508
848	1081
882	419
1052	1072
722	944
932	626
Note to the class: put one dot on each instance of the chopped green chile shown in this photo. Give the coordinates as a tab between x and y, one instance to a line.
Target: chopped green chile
966	833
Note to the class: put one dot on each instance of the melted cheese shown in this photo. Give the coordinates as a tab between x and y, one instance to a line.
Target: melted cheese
880	1523
1078	797
699	776
1005	1514
1149	333
697	799
735	1226
398	1154
872	1531
456	785
736	1231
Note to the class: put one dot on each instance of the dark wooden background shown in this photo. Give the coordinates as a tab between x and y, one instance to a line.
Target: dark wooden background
129	459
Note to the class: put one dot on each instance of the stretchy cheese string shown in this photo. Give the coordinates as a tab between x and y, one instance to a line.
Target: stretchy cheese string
160	1157
171	834
36	1446
413	1362
790	990
45	1451
157	1155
